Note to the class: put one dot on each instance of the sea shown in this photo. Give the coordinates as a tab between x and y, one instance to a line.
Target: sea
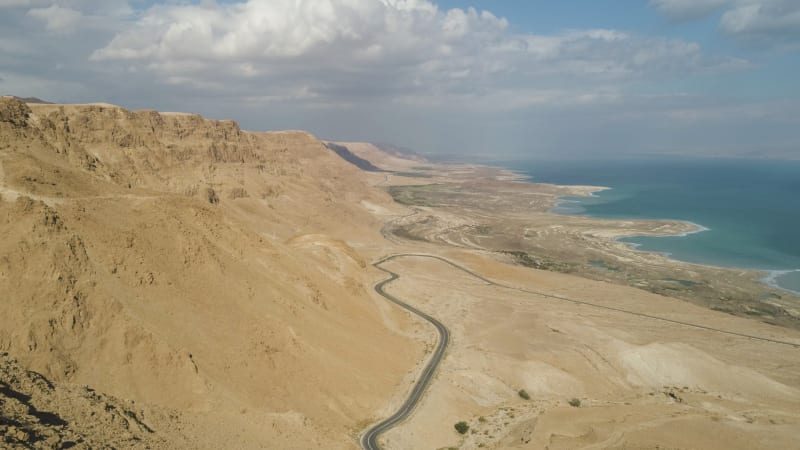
747	210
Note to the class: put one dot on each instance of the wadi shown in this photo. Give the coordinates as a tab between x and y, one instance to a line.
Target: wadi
170	281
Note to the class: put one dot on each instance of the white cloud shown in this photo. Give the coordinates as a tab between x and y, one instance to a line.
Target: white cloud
57	18
377	48
688	9
100	7
775	111
763	17
22	3
770	21
462	80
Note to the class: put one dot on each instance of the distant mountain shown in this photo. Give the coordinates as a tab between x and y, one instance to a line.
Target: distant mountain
400	152
352	158
32	100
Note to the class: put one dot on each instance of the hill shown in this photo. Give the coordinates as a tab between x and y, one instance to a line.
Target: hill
176	282
158	257
350	157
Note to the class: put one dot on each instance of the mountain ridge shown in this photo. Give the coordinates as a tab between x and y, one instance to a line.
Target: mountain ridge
135	240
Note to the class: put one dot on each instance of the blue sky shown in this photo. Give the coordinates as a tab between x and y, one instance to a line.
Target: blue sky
553	16
484	78
778	68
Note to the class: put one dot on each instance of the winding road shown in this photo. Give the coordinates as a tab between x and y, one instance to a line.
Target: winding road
369	440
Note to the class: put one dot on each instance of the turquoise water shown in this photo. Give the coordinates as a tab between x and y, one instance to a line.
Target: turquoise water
749	209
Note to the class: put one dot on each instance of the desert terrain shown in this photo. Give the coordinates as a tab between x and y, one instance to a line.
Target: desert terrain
490	210
175	282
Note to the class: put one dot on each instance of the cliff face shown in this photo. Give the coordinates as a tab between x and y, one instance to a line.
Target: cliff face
189	265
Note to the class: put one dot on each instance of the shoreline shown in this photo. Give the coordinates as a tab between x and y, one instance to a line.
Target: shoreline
770	276
771	280
498	210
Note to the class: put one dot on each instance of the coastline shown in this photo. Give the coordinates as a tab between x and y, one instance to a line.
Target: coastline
505	212
770	277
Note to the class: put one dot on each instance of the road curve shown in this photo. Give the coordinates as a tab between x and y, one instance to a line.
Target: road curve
369	440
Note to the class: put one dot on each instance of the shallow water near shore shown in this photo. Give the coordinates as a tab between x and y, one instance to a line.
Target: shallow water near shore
747	211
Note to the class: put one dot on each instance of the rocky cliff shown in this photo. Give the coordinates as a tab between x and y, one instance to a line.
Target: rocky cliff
193	268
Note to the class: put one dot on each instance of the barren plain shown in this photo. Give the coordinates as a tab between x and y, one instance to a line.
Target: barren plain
615	348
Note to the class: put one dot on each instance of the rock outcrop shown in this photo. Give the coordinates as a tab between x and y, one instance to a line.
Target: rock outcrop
37	413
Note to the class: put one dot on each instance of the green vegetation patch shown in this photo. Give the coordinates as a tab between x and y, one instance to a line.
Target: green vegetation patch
462	427
528	260
411	195
413	174
483	230
405	233
760	311
685	283
603	265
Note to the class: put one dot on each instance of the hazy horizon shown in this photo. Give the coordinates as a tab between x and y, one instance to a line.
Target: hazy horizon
473	78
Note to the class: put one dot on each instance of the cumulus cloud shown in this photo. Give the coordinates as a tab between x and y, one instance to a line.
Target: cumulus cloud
376	48
461	79
768	21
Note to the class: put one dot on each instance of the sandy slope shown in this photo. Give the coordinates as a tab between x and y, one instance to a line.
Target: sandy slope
641	383
252	312
214	287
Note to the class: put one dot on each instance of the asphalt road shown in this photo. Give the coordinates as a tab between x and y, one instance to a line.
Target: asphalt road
369	440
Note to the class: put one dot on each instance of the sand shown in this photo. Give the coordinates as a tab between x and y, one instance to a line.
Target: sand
214	287
638	380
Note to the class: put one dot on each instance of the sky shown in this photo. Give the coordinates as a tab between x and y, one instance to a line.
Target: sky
483	79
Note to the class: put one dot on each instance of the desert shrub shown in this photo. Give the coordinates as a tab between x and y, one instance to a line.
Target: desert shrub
524	394
461	427
576	402
212	196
